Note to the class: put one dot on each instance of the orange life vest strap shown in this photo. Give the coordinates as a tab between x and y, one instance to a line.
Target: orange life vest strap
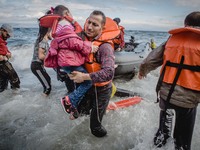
183	42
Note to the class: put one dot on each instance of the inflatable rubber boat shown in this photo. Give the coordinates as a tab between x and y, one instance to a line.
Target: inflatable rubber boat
127	62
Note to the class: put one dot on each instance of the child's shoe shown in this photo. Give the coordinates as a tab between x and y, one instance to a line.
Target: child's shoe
46	92
66	104
74	113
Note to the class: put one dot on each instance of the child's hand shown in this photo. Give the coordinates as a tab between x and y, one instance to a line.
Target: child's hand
94	48
8	55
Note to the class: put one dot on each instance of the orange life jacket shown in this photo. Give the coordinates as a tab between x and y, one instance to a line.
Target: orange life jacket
110	31
51	21
182	52
119	40
48	20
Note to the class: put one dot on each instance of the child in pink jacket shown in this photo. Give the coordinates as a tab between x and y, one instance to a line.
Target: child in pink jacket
72	53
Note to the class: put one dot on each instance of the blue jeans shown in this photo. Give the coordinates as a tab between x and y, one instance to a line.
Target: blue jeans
77	95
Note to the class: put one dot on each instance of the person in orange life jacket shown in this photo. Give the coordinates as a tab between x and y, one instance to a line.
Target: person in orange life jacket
73	52
41	48
119	41
7	72
61	75
98	95
178	87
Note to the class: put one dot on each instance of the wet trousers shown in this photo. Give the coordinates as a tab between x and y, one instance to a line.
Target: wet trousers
8	74
94	104
38	70
99	97
183	127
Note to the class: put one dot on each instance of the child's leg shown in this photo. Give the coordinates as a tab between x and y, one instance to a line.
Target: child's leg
39	71
68	82
76	96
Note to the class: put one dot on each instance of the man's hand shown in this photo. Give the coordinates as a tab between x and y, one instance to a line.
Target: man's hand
1	57
79	77
8	55
118	49
140	76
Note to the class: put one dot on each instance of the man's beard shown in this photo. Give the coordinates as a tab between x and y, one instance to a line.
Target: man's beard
4	38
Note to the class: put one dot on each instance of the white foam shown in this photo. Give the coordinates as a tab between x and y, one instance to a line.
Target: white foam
30	121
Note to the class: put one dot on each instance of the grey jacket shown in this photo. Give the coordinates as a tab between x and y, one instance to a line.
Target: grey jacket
181	96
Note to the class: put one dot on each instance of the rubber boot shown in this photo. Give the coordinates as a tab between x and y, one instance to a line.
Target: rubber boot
165	128
99	131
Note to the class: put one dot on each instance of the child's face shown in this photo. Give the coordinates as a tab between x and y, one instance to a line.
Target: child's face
69	14
66	13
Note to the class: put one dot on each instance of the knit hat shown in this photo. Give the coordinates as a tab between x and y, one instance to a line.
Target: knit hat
8	28
117	20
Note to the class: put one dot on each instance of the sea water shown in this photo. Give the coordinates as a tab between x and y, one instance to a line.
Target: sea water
30	121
